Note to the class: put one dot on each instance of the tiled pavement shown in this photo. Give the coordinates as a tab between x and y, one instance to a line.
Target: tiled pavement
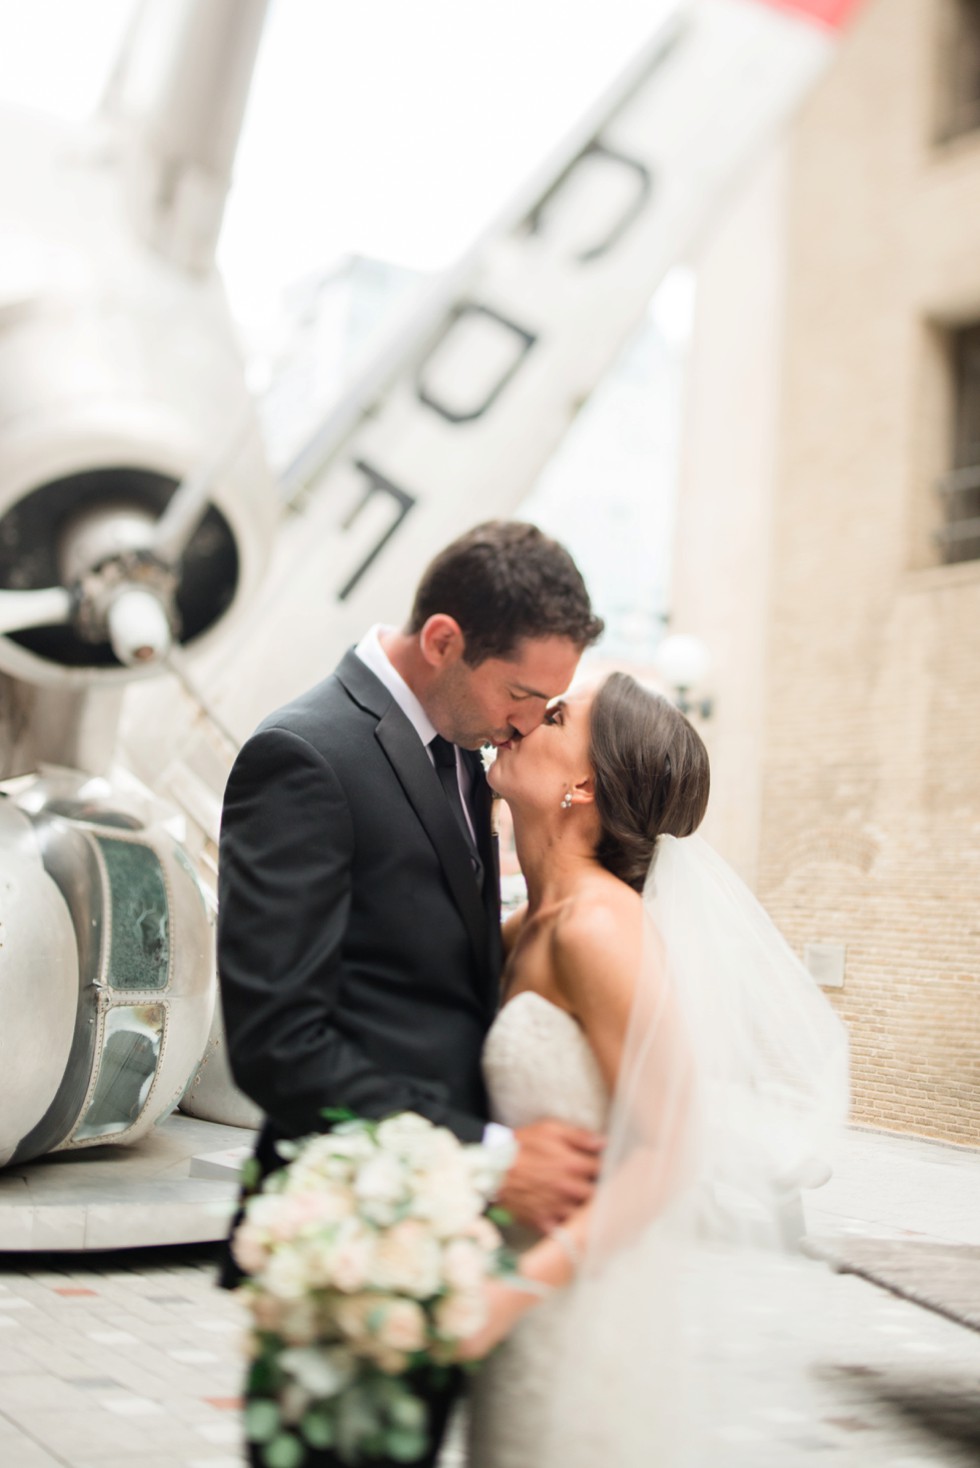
132	1358
118	1359
942	1277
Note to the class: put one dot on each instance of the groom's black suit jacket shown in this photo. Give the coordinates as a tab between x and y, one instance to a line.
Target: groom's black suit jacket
359	962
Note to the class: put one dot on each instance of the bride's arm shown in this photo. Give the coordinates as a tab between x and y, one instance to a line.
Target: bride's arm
600	958
597	955
595	958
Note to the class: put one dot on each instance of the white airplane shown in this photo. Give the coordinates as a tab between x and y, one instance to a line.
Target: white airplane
138	518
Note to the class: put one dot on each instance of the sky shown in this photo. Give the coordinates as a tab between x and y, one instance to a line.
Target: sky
393	128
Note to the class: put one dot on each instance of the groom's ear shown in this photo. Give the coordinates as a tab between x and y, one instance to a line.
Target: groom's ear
441	640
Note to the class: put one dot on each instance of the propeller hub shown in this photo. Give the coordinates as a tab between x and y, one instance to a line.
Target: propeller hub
129	601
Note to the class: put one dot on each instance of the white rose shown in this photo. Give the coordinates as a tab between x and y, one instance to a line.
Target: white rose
403	1130
488	1165
447	1201
402	1327
439	1149
319	1253
263	1212
485	1235
352	1257
379	1188
352	1314
249	1248
266	1311
299	1323
393	1362
286	1275
464	1265
382	1215
332	1156
417	1141
407	1260
461	1315
281	1217
318	1199
333	1205
356	1146
319	1205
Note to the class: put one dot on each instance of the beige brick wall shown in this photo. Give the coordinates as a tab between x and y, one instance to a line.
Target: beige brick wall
870	809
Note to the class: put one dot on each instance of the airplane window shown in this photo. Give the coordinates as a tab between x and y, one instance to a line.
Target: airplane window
130	1051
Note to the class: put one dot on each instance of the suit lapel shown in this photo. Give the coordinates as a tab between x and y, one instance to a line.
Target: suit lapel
410	762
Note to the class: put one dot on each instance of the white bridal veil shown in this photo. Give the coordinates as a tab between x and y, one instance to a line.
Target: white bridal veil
732	1091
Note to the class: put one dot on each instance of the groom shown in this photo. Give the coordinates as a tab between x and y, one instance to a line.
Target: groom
358	935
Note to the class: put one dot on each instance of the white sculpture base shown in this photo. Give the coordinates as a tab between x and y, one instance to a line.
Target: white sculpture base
126	1197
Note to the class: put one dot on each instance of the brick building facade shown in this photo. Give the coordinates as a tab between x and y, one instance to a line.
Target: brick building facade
845	616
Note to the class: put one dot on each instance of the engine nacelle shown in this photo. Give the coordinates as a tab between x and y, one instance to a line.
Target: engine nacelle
108	988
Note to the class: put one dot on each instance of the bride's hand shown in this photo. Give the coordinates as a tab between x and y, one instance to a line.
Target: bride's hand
547	1266
506	1303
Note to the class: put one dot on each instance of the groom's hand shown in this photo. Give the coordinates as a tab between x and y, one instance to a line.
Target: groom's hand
554	1173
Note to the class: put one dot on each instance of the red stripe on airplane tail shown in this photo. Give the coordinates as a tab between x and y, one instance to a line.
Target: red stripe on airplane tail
826	12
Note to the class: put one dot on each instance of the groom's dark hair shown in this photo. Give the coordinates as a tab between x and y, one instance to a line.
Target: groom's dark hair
504	582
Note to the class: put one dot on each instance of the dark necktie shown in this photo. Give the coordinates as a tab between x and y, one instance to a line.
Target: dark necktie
444	755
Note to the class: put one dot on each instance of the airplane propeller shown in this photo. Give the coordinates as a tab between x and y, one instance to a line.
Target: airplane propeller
50	607
127	597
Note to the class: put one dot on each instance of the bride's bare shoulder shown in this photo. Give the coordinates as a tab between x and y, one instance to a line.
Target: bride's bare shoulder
597	938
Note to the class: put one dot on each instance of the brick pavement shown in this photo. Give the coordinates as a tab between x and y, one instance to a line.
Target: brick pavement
132	1358
117	1358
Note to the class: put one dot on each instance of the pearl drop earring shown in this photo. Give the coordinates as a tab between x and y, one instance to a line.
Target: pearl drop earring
566	800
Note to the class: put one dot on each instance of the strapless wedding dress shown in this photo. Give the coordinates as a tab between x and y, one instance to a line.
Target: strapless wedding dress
537	1063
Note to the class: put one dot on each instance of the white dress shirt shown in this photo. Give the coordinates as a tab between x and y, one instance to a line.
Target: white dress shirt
373	656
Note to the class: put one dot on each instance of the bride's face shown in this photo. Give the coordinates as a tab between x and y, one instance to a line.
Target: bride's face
553	761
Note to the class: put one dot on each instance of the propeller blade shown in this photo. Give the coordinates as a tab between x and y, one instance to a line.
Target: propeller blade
192	498
51	607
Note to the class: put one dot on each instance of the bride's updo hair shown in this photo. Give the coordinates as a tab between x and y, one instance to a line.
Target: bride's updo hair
651	775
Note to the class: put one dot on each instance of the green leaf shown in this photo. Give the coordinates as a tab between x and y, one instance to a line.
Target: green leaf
500	1217
338	1113
317	1428
251	1175
357	1421
285	1451
409	1413
265	1373
404	1445
376	1318
261	1420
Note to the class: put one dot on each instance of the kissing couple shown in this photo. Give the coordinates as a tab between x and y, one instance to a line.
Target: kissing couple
667	1072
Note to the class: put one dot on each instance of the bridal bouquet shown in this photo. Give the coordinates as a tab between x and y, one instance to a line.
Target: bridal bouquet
366	1258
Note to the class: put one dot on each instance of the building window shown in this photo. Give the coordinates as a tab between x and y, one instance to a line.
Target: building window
960	69
959	536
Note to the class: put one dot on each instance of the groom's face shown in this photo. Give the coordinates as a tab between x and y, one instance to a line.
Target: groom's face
502	699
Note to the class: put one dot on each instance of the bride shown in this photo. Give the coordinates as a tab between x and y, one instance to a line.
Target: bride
647	996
